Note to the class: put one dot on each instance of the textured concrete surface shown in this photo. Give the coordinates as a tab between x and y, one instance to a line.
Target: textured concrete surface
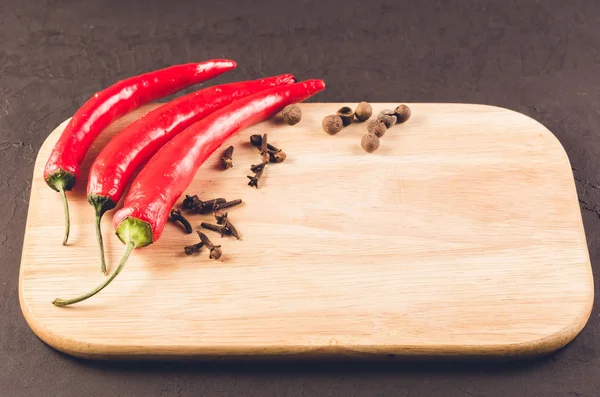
541	58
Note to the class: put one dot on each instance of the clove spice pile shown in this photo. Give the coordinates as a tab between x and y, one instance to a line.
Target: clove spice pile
268	153
194	205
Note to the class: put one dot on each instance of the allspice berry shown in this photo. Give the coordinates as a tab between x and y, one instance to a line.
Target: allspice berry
388	117
292	114
347	114
363	111
402	113
332	124
376	127
369	143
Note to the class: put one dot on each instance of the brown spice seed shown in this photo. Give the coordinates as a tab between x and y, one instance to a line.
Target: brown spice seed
376	127
347	114
388	117
369	143
363	111
332	124
403	113
292	114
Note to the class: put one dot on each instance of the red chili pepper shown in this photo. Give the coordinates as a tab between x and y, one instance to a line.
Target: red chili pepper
62	168
171	170
126	152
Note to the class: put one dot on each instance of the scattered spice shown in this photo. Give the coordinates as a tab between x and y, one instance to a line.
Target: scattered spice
177	217
258	170
402	113
276	155
193	203
222	219
227	204
332	124
346	114
370	143
363	111
264	149
255	167
376	127
388	117
221	229
215	250
256	140
292	114
190	249
226	159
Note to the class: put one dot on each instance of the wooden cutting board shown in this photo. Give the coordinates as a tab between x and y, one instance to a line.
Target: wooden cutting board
461	235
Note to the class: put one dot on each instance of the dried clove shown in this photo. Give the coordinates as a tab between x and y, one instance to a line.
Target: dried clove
193	203
189	202
215	250
177	217
190	249
256	167
276	155
256	140
221	229
363	111
222	219
227	204
346	114
258	174
226	159
292	114
264	149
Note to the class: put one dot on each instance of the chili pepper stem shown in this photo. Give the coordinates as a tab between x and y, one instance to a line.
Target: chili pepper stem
101	204
134	233
61	181
64	302
100	242
67	217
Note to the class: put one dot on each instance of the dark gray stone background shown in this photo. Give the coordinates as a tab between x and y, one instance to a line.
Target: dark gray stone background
539	58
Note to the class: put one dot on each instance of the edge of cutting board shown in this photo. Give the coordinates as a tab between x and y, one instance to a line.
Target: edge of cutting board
535	347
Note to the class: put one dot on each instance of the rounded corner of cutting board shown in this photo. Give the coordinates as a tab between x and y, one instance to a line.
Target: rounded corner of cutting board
560	338
544	131
45	332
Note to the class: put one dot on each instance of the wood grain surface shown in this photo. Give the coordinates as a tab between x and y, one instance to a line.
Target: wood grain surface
461	235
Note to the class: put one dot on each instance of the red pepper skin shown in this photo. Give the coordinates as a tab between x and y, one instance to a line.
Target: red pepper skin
114	167
126	152
121	98
63	166
168	173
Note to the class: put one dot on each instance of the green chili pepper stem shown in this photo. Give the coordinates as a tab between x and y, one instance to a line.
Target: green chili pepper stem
134	233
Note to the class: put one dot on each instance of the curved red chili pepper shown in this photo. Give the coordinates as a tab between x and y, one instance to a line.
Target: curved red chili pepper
62	168
112	170
171	170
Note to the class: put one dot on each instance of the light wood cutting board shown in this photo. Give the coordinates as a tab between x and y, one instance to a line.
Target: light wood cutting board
461	235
